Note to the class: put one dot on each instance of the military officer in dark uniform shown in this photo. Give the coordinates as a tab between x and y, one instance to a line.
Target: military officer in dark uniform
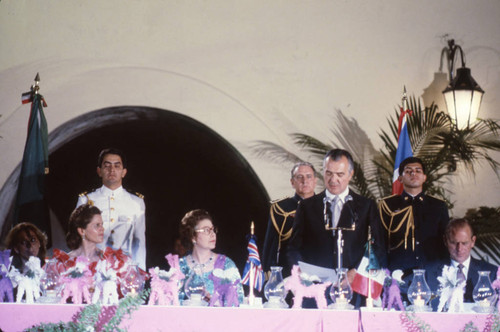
281	216
414	222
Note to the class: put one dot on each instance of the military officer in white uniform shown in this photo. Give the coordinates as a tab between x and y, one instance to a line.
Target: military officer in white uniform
123	213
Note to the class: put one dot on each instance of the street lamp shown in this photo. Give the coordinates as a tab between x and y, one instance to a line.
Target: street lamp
463	95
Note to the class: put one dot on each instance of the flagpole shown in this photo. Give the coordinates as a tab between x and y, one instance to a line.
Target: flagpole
251	296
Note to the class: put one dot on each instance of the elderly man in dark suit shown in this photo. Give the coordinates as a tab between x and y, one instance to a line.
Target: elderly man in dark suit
460	239
281	216
315	230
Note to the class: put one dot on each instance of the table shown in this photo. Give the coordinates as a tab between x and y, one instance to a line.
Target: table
19	316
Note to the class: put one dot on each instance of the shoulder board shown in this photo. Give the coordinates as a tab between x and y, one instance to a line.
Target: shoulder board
436	198
387	197
279	200
135	193
83	194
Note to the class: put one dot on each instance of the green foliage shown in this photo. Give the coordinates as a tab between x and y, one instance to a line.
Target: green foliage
92	314
434	139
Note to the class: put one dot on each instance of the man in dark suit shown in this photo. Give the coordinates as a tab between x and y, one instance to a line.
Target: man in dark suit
414	222
319	218
281	217
460	239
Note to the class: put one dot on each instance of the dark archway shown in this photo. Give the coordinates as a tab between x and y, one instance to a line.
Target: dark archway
178	163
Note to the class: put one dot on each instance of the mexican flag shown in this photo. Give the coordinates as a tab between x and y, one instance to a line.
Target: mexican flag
369	269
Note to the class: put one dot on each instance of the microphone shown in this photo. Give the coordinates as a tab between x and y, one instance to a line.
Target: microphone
326	210
354	215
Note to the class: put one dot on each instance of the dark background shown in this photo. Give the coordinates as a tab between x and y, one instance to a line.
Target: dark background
177	163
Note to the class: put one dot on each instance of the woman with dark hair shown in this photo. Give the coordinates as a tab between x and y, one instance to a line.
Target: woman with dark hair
26	240
85	231
199	235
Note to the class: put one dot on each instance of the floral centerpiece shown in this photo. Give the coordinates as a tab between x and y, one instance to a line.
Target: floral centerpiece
451	290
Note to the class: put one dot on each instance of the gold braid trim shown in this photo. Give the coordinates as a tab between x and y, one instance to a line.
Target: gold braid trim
89	201
276	209
406	218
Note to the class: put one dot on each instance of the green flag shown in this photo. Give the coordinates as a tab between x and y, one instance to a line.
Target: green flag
30	203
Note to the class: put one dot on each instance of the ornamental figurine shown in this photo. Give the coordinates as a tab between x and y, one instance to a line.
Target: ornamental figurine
106	285
303	285
165	285
6	288
496	285
225	287
76	282
28	284
452	290
391	299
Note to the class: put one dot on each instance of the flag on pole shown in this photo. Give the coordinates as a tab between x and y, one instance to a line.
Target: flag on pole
253	268
404	146
369	271
30	203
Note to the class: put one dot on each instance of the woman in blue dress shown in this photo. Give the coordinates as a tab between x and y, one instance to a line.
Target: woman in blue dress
199	236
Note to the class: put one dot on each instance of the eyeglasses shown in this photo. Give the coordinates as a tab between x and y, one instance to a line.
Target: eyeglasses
207	230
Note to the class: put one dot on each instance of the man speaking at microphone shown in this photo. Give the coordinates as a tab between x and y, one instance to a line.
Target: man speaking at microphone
319	218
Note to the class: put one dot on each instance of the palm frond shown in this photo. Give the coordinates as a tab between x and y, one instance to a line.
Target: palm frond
274	152
311	144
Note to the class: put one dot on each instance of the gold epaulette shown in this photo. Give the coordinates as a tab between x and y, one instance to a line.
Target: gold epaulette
439	199
141	196
279	200
386	197
89	201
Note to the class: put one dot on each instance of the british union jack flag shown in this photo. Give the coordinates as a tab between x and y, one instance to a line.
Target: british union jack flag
257	271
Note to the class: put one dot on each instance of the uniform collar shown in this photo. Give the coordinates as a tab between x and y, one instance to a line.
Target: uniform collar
297	198
409	198
108	192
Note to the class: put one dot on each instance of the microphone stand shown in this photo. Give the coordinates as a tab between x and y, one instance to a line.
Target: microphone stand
338	229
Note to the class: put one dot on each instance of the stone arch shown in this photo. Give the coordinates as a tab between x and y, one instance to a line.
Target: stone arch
178	163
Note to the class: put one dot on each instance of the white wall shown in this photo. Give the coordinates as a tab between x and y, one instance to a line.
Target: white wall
250	70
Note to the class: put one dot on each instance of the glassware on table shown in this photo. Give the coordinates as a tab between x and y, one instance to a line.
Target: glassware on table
341	291
132	282
274	290
419	292
483	294
194	288
50	283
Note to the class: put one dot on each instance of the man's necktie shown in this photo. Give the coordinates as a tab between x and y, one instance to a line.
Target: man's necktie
335	209
460	273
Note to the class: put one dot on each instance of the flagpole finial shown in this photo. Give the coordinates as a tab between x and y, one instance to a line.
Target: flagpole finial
252	228
404	100
35	87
